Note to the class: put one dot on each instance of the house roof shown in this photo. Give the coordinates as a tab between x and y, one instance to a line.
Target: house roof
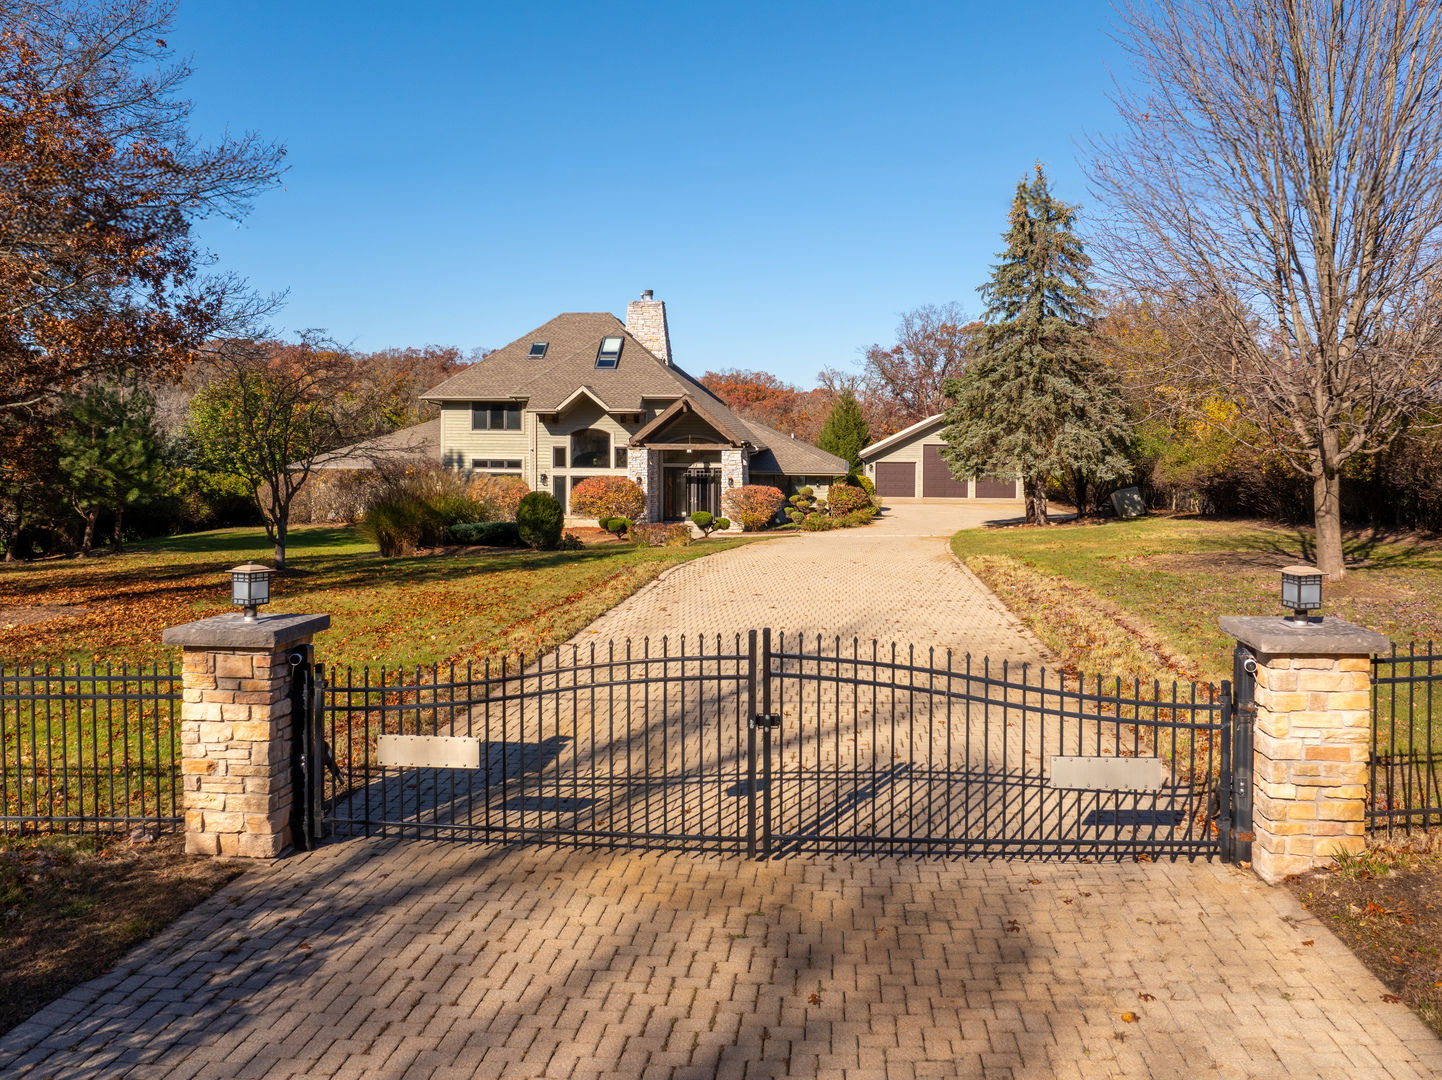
572	340
418	441
921	427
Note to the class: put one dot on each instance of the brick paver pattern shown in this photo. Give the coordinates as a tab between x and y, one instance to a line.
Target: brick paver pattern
418	959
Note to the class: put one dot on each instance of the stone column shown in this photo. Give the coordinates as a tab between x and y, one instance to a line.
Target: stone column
643	466
1313	734
735	473
235	730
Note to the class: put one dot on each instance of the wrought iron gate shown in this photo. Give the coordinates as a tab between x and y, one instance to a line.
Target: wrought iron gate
766	749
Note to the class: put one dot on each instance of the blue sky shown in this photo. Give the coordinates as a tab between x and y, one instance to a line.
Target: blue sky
789	177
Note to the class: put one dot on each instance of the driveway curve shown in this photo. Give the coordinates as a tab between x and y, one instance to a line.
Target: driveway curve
893	581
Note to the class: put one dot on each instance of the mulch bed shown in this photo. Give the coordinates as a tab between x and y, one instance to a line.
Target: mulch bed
1386	906
70	907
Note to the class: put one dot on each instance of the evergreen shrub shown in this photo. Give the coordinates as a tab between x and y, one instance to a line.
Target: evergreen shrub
843	499
486	534
703	521
539	519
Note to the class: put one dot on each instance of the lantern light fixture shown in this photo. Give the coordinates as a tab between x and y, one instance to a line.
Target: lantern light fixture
1301	591
250	587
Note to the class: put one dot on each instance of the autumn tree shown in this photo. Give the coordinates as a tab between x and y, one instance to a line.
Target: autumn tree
1278	190
1035	400
906	382
100	185
270	410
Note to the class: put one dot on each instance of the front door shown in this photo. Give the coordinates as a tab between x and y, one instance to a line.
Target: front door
687	490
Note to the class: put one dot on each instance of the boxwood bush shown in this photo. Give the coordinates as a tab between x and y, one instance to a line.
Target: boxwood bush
539	519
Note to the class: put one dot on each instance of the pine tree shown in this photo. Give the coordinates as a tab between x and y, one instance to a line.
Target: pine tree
110	455
1035	400
845	431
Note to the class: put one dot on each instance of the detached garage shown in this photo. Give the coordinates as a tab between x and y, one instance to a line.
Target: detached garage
909	465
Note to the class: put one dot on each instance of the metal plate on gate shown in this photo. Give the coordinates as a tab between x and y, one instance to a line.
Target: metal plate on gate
429	751
1108	773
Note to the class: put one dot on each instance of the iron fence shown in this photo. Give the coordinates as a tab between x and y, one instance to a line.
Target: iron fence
706	745
89	749
1405	780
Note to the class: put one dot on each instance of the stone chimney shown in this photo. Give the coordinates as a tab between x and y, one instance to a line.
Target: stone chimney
646	322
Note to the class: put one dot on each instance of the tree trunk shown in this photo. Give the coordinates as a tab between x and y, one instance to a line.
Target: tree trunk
1038	501
1327	511
280	530
115	544
88	540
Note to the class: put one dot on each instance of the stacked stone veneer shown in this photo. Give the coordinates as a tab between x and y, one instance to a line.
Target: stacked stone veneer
235	736
735	473
646	322
1314	725
644	467
1311	741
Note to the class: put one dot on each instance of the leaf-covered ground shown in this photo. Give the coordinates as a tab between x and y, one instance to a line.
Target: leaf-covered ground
1141	599
454	605
71	906
1386	904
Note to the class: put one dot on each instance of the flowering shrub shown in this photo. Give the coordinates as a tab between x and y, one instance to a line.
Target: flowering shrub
754	505
607	497
499	495
843	499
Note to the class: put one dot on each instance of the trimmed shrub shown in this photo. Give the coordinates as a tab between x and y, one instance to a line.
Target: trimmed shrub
843	499
606	497
722	524
858	517
539	518
618	525
803	503
818	523
486	534
864	482
754	505
703	521
499	496
678	534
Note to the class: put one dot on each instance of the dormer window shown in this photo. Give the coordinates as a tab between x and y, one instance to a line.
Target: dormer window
538	350
610	352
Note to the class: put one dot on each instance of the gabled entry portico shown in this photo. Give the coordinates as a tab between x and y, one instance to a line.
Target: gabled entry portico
686	459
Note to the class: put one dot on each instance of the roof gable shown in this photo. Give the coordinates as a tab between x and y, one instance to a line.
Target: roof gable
688	422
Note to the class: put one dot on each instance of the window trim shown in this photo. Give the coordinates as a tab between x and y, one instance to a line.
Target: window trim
560	454
612	360
619	456
487	408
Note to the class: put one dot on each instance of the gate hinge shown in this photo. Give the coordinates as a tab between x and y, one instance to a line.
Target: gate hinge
766	720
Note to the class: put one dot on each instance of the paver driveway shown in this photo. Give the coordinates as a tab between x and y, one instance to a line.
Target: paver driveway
418	960
422	959
894	581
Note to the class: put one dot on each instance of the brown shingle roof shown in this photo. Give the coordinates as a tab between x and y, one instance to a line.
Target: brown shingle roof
570	363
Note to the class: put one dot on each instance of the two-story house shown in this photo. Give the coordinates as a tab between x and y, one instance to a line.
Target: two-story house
586	395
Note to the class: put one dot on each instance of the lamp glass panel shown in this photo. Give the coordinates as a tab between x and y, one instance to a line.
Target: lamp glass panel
1311	592
1289	590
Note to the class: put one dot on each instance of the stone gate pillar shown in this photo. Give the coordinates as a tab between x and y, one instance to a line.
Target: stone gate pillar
235	730
1313	733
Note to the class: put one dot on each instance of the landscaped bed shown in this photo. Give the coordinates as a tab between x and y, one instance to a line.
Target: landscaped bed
458	605
1386	904
71	906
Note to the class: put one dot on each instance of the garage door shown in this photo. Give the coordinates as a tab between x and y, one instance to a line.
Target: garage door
896	479
936	479
994	487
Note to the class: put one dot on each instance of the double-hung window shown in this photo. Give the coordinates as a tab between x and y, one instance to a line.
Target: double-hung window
495	416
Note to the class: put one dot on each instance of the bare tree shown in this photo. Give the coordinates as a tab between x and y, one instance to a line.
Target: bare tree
903	382
1277	189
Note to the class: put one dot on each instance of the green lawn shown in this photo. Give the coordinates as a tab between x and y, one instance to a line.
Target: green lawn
420	610
1141	598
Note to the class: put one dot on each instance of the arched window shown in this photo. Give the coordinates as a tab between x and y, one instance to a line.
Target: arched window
590	449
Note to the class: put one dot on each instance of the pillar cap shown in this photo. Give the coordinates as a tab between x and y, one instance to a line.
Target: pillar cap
231	631
1328	636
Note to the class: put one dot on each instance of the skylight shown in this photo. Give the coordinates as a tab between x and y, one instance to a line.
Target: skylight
538	349
610	352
